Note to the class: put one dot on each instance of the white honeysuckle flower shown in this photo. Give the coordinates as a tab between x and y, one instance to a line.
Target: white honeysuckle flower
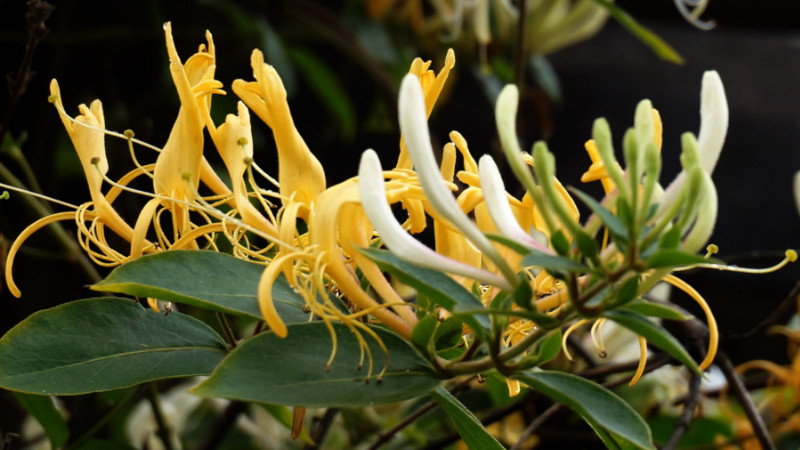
394	236
494	195
414	128
713	128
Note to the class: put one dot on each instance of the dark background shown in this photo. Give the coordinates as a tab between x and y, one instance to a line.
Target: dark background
114	51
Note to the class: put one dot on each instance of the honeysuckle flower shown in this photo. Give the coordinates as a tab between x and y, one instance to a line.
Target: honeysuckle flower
413	125
300	173
402	245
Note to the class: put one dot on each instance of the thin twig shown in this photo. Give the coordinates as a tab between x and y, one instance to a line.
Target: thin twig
682	424
537	422
105	419
385	437
759	428
37	15
787	305
221	426
324	424
226	327
162	429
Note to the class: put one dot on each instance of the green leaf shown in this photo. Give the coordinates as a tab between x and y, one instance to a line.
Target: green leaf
42	408
523	297
204	279
326	86
627	291
422	333
674	258
654	334
652	309
552	263
510	243
607	414
437	286
102	344
468	426
545	349
293	371
560	242
648	38
671	239
615	226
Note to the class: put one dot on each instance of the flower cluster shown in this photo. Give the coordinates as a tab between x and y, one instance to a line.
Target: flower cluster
530	265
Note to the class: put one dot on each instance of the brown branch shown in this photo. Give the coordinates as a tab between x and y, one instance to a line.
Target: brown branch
324	424
759	428
682	424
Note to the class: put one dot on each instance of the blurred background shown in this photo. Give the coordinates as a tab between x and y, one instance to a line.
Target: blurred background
341	62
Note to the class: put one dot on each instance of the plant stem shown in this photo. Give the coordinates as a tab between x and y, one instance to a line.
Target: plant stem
105	419
163	430
682	424
759	428
226	327
221	426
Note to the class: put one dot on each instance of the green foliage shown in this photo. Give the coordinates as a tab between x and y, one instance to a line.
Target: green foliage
468	426
204	279
102	344
42	408
295	370
610	417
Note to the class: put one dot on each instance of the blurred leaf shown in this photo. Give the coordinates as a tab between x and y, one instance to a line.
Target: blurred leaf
42	408
325	84
705	431
652	309
648	38
510	243
613	419
101	344
654	334
674	258
671	239
627	291
437	286
205	279
546	77
294	370
284	416
560	242
617	229
468	426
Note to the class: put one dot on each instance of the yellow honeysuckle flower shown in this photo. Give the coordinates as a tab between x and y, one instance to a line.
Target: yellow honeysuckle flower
300	174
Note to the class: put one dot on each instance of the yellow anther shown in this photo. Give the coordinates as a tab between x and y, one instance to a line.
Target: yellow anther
187	176
129	133
791	255
52	98
95	161
242	141
712	249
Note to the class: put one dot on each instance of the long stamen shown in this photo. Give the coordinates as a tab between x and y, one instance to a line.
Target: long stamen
569	331
713	331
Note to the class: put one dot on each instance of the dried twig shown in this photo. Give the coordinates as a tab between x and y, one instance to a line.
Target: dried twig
682	424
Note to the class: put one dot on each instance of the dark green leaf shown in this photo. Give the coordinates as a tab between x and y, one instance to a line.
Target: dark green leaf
293	370
423	331
608	414
586	244
101	344
449	332
560	242
205	279
627	291
437	286
545	349
468	426
674	258
654	334
648	38
652	309
617	229
42	408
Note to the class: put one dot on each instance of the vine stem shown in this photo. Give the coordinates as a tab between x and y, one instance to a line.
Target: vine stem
162	430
